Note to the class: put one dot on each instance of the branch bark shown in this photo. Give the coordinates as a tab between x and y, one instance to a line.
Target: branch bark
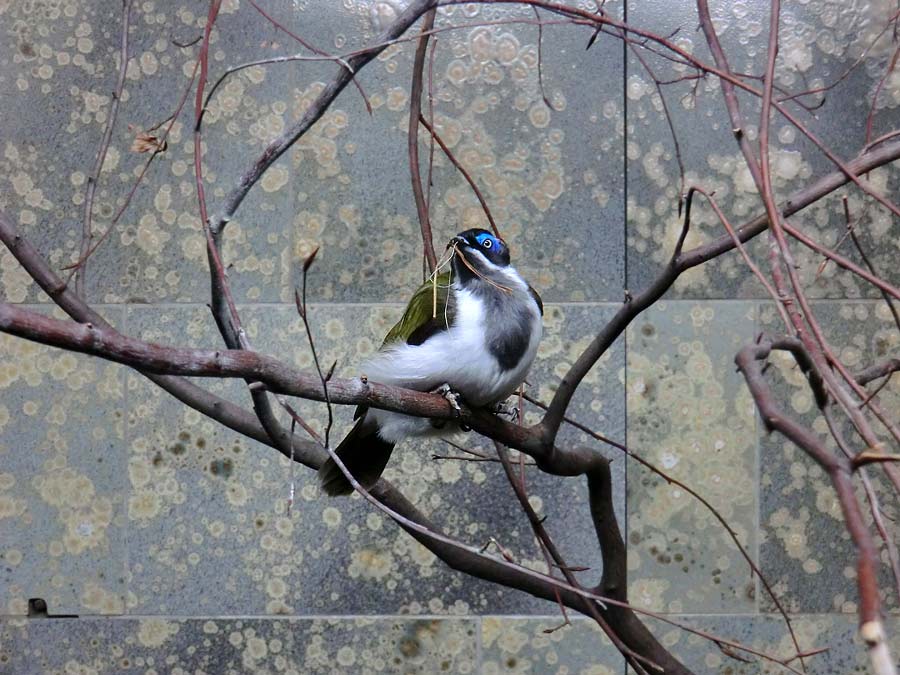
750	362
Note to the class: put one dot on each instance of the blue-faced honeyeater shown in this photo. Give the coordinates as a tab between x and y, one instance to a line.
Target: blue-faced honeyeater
479	336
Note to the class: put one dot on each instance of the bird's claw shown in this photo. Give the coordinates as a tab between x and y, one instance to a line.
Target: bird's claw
452	396
506	410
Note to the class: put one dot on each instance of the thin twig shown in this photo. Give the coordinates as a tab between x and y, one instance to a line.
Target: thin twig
462	170
158	149
868	263
300	300
870	118
314	50
412	142
87	232
746	256
669	122
540	61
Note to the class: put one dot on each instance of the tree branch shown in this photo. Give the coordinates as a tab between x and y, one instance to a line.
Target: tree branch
412	141
86	233
344	75
839	469
692	258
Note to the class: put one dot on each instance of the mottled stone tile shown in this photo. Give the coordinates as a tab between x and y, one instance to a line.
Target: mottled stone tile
65	53
164	257
805	549
844	653
523	646
690	415
539	169
819	42
207	511
55	53
68	53
232	646
207	527
62	515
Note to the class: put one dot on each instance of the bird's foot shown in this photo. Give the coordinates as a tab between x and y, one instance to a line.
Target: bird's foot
452	396
506	410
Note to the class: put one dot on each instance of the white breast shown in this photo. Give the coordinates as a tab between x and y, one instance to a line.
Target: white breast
459	357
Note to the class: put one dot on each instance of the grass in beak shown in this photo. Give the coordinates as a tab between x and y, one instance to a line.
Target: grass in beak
505	289
442	263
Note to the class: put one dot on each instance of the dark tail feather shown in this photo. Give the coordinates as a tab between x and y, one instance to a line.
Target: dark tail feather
363	453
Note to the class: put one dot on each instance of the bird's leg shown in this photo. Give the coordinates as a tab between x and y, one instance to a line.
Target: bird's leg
452	396
506	410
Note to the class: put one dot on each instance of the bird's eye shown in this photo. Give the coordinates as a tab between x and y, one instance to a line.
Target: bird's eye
487	243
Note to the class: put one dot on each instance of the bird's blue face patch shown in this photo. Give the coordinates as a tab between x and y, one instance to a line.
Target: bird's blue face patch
492	247
485	237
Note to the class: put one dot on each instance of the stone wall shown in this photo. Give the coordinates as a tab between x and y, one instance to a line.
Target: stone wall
170	538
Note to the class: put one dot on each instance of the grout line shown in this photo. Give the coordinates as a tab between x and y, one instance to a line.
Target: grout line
479	646
390	305
624	92
294	617
402	302
624	335
757	535
478	618
124	372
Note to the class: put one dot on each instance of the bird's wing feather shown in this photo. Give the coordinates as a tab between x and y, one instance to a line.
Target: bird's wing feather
425	317
537	299
363	452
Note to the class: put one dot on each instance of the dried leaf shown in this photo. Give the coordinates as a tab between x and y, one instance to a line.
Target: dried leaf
309	260
144	142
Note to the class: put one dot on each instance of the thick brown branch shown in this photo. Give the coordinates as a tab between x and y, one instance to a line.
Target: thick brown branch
105	342
199	399
614	582
640	658
750	362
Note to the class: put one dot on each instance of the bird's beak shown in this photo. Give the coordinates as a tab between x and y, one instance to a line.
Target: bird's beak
457	241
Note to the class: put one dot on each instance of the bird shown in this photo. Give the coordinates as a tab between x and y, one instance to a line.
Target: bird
472	333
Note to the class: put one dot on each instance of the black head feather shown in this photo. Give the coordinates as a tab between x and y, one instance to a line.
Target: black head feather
489	245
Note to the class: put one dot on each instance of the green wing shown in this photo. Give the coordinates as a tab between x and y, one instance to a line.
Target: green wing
420	320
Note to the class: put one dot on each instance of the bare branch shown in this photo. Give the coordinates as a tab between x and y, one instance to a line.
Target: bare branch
462	170
280	145
87	233
749	361
697	256
415	111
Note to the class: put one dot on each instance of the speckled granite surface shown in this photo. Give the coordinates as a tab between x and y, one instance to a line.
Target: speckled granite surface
170	538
